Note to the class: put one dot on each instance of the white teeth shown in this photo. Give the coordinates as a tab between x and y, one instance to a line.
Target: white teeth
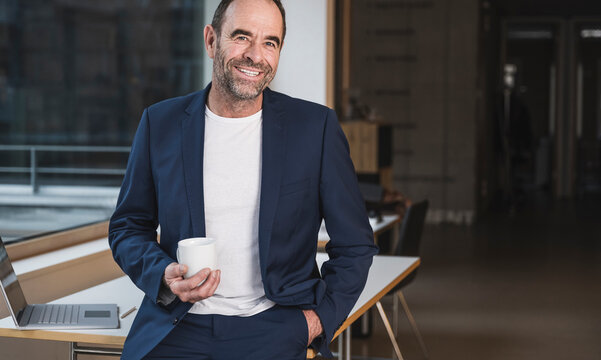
249	73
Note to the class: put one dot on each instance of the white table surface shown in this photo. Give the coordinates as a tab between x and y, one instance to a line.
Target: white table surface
384	271
387	220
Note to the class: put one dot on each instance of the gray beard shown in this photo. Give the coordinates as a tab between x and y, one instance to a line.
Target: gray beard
236	88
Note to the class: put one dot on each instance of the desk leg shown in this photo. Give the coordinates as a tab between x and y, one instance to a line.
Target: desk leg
74	350
340	345
347	334
395	314
418	335
395	345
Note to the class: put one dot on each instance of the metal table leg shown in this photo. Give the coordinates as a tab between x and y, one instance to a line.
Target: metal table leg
75	349
340	345
413	324
395	345
347	334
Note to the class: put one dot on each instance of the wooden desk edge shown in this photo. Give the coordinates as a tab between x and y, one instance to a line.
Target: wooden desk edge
56	241
63	336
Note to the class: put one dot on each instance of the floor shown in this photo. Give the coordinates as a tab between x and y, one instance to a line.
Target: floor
514	286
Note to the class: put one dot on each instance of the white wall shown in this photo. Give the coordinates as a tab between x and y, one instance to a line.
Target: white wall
210	6
302	69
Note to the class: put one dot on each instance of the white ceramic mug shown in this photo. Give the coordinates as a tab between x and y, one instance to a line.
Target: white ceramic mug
197	253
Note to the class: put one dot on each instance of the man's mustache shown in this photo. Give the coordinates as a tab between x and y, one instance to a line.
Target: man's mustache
248	63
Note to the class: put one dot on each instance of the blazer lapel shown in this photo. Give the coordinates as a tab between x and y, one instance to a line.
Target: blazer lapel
273	156
193	134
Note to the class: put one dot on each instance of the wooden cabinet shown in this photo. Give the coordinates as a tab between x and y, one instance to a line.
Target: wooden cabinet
371	149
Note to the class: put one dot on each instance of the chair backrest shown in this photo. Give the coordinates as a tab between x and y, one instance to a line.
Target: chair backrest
411	230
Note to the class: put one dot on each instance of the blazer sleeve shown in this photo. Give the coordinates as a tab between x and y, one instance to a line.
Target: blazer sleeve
351	246
132	228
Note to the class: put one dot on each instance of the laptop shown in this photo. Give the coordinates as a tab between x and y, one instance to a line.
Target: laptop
50	316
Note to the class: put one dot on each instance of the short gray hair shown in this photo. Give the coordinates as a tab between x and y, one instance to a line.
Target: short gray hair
224	4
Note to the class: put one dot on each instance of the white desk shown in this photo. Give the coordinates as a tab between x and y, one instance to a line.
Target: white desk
385	273
388	221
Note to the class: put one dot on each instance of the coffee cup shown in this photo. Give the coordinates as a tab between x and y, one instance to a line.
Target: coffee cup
196	253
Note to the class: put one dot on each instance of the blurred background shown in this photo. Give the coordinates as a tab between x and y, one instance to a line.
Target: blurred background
490	109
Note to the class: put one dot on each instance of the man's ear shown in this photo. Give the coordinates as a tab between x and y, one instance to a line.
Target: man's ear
210	37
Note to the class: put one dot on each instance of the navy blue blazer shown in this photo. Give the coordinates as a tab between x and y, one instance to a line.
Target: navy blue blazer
307	175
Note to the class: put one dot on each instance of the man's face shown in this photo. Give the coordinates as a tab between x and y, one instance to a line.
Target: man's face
247	50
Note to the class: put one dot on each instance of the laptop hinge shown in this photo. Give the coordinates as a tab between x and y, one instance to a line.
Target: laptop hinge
24	315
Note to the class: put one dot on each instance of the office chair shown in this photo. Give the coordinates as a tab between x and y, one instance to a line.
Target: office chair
407	245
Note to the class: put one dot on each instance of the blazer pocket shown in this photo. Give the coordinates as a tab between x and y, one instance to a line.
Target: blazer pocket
294	187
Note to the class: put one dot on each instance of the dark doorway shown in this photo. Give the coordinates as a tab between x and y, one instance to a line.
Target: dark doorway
525	108
587	61
549	146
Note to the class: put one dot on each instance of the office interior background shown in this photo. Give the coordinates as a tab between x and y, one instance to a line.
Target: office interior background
489	109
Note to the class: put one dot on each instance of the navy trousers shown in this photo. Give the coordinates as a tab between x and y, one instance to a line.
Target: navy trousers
279	333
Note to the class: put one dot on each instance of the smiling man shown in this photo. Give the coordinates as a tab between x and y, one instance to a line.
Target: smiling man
257	171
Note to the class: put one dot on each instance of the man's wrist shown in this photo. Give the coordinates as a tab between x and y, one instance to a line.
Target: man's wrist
166	296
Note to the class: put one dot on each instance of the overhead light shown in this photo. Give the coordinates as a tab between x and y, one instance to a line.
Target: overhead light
590	33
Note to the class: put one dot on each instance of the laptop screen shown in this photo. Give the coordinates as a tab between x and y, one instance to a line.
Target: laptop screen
10	286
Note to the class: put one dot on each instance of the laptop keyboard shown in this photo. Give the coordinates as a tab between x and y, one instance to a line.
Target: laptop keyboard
58	314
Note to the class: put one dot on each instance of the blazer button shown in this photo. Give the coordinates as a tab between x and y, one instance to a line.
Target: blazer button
175	321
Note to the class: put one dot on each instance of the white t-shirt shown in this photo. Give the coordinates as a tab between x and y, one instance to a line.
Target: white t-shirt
232	190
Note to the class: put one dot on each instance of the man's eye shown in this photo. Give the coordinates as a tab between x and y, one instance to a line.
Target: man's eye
243	38
269	43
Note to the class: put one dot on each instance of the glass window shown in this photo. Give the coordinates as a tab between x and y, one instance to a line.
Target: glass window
75	76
